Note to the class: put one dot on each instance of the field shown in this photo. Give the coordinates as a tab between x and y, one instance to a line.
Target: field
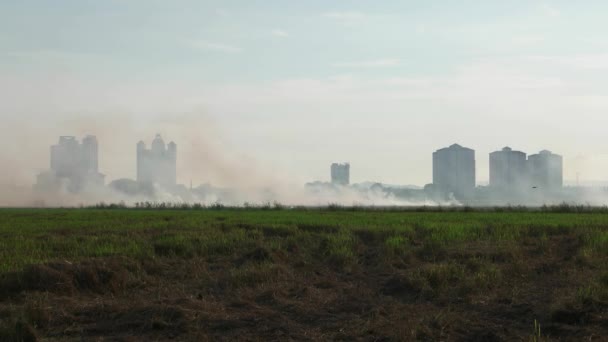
295	274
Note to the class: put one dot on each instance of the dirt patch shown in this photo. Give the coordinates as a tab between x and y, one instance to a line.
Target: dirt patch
474	292
401	287
99	276
258	255
156	320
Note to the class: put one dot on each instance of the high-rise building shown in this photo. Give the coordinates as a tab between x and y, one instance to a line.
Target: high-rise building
546	170
157	164
73	163
90	153
508	170
340	173
454	170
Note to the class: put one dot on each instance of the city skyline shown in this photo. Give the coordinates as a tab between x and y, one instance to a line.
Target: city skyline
303	170
509	169
254	85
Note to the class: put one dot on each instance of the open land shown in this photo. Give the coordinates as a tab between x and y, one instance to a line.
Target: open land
303	274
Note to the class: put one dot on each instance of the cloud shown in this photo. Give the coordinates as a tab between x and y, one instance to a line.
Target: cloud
420	28
222	12
528	39
488	103
348	15
550	11
378	63
217	47
280	33
580	61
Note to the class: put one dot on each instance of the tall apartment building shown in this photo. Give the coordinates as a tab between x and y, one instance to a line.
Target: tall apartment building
546	170
340	173
73	164
508	170
454	170
157	164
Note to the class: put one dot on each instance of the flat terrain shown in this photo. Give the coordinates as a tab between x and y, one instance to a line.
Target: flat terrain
322	274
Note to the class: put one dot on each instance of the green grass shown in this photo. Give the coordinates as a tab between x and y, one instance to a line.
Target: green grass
433	273
31	236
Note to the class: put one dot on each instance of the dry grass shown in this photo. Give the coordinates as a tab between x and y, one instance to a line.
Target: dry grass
302	275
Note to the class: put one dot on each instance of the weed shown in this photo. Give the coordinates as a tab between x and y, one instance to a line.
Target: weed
253	275
536	333
397	244
320	268
592	294
338	248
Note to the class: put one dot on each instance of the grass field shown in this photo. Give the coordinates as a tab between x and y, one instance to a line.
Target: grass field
317	274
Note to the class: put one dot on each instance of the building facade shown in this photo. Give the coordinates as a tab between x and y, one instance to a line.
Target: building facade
508	170
73	164
157	164
340	173
546	170
454	171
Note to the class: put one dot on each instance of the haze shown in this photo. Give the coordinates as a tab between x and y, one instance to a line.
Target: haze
266	90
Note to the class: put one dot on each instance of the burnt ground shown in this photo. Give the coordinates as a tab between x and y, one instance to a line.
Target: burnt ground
477	291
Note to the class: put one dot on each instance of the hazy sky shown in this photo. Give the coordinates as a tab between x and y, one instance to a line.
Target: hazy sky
287	87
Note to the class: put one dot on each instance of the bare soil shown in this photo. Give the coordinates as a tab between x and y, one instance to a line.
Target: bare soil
470	292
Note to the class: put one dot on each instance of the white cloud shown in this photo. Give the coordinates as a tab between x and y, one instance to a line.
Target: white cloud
222	12
528	39
212	46
51	59
580	61
550	11
280	33
378	63
420	28
485	105
348	15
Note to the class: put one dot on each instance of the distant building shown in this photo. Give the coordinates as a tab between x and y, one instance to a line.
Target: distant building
340	174
157	164
546	170
508	169
73	164
454	171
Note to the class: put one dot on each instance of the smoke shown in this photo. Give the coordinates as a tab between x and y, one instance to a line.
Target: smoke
207	154
204	158
217	169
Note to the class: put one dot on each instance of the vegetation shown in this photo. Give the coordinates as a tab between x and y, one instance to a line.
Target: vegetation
274	273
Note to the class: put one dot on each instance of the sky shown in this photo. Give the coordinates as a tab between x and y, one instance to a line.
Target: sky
283	88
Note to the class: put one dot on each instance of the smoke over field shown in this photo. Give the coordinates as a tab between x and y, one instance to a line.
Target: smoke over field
257	111
209	170
216	171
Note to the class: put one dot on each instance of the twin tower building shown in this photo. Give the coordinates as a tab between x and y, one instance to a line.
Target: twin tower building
510	171
74	164
158	164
